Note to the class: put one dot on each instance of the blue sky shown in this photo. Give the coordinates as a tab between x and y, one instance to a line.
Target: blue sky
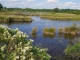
49	4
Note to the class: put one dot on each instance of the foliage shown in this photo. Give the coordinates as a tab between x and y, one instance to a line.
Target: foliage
55	9
15	45
1	7
73	51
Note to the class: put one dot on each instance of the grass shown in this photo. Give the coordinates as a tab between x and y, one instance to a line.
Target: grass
46	15
60	16
49	31
34	31
61	30
73	29
14	18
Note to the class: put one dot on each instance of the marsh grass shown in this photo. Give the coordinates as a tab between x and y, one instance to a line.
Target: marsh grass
61	30
73	29
34	31
49	31
60	16
14	18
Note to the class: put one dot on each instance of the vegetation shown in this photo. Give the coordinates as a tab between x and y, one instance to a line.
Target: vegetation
73	29
49	31
73	51
61	30
15	45
53	14
1	7
60	16
34	31
8	18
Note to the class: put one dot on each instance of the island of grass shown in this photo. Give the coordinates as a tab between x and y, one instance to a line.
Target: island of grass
73	30
49	31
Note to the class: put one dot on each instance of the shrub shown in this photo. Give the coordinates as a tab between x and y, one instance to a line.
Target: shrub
15	45
73	51
9	19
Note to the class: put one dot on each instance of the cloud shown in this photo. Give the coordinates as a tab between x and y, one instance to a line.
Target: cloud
69	3
12	0
30	0
52	0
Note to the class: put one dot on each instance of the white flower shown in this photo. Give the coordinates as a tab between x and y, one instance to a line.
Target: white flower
17	57
23	50
31	59
23	57
20	43
31	53
26	48
31	40
3	47
16	29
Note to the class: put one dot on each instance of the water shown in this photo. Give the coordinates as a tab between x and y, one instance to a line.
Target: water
55	44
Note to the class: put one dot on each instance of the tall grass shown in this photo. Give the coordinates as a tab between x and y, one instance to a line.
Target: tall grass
73	29
14	18
49	31
34	31
60	16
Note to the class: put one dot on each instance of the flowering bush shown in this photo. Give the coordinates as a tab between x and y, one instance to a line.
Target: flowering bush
15	45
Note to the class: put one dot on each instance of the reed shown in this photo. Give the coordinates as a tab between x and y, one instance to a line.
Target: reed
34	31
73	29
49	31
61	30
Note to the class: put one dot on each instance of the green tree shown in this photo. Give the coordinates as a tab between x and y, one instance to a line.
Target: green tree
1	7
55	9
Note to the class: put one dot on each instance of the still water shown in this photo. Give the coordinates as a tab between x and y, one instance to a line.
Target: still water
55	44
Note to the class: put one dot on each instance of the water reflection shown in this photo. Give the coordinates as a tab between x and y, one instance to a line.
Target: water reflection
48	36
34	36
69	36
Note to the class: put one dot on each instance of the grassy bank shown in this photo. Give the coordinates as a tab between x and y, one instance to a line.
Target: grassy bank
60	16
14	17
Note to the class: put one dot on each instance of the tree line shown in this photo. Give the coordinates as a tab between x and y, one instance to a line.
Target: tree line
55	10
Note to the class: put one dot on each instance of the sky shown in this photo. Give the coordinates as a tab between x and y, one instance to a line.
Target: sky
41	4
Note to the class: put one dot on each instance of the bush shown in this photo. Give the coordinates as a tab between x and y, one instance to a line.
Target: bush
15	45
9	19
73	51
